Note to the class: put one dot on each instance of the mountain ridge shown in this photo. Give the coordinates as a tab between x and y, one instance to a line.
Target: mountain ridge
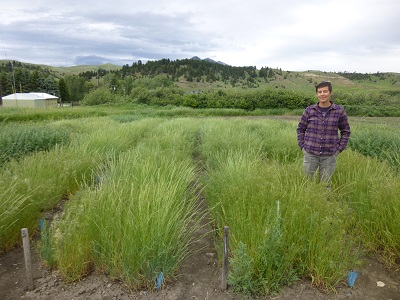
209	60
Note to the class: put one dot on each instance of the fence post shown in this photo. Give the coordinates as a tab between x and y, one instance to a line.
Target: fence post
224	282
27	255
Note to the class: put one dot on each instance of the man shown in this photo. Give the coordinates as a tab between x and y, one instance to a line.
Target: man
318	134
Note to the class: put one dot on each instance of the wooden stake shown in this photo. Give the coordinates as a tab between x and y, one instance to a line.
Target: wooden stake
27	255
224	283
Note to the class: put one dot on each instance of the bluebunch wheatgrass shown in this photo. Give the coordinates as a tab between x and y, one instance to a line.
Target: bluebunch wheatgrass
246	180
139	225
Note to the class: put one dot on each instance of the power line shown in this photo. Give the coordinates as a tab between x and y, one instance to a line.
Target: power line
12	63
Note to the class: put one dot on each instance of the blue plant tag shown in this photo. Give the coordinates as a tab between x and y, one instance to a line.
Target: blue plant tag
159	280
41	224
351	278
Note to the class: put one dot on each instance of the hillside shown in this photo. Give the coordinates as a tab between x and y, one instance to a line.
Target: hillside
204	75
75	70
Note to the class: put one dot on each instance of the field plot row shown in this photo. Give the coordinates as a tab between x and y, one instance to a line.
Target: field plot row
131	192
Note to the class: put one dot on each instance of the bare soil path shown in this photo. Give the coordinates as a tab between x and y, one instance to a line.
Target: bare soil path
199	278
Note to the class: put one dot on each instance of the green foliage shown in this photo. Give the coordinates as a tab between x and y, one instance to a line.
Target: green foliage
13	204
378	141
266	270
370	189
38	183
76	87
247	100
309	235
146	192
64	94
18	140
26	80
21	115
375	94
192	69
160	81
99	96
160	96
139	172
242	275
45	246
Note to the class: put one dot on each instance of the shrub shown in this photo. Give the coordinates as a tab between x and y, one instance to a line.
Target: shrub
99	96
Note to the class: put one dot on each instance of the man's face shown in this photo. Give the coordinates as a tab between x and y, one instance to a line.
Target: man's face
324	95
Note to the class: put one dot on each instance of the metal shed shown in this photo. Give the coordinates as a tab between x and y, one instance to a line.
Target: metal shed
31	100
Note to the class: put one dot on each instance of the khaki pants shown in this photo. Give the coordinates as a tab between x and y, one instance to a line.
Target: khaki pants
324	164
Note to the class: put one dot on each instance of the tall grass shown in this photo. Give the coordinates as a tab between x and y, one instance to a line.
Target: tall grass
282	227
132	205
371	190
139	221
10	115
40	180
11	205
381	141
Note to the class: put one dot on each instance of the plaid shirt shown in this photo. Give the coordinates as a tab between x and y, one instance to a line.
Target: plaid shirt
319	135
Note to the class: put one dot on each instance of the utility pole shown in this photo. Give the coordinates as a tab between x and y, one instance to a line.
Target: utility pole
1	96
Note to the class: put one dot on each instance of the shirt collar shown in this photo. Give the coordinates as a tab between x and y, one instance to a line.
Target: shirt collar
333	106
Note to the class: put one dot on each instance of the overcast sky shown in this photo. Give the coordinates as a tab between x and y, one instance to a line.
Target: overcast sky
295	35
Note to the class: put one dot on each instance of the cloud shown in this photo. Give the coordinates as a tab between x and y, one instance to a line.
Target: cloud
332	35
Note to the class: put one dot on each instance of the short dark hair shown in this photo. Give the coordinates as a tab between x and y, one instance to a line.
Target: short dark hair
324	84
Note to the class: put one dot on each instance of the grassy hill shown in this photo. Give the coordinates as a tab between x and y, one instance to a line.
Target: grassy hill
75	70
63	71
249	78
305	81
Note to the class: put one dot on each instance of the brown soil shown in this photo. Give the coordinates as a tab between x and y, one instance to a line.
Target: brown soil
199	278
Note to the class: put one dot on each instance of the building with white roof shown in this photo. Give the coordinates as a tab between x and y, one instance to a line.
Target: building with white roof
31	100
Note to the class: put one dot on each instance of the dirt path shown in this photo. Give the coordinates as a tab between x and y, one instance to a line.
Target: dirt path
199	278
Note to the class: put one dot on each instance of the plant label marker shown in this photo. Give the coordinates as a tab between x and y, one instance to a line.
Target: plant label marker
27	256
159	280
41	224
351	278
224	283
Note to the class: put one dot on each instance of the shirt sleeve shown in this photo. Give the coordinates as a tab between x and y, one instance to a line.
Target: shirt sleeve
344	128
301	129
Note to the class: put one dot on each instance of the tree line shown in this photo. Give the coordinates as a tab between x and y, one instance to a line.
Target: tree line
17	77
154	83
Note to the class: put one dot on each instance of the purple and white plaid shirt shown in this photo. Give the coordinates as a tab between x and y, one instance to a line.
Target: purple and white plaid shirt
319	135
